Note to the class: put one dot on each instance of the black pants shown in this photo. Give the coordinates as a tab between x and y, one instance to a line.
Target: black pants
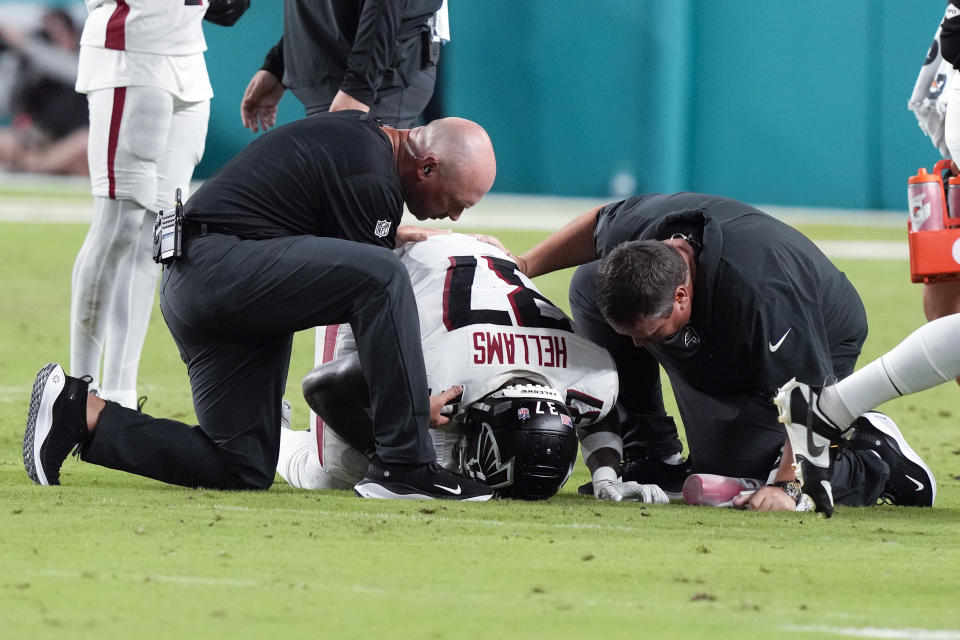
732	435
232	307
399	109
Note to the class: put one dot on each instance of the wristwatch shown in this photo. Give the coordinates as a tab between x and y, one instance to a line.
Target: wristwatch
791	488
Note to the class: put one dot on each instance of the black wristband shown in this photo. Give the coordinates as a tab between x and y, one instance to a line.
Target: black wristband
791	488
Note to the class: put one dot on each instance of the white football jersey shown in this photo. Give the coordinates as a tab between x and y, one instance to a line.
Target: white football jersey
165	27
157	43
483	322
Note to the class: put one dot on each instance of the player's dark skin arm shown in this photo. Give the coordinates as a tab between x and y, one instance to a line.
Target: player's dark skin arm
338	393
605	456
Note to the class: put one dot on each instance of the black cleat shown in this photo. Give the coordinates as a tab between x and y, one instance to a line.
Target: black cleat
911	482
56	423
419	482
811	435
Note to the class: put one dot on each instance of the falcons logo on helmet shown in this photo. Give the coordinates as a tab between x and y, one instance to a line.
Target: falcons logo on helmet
485	464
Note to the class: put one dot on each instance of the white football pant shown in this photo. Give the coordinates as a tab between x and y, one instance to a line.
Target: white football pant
143	145
927	357
299	462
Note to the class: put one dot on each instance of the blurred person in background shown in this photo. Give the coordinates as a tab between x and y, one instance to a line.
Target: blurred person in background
49	119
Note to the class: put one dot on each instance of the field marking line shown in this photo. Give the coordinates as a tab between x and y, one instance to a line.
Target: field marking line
432	517
18	390
150	577
881	633
192	581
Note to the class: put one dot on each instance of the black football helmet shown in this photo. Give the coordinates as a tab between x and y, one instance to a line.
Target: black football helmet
520	441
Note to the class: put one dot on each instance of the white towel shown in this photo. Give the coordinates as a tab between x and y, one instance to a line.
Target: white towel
929	98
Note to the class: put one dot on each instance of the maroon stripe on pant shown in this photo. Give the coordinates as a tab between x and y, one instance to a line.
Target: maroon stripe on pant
119	95
116	31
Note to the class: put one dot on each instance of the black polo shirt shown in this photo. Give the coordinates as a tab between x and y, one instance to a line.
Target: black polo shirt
332	175
767	304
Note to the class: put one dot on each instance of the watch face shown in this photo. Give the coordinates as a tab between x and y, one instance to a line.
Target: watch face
792	489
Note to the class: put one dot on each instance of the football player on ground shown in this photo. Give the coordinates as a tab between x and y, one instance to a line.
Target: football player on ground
519	380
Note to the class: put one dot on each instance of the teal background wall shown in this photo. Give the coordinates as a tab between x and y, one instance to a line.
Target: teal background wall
774	102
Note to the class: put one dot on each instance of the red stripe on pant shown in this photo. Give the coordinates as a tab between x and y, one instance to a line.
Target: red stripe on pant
119	96
329	345
116	37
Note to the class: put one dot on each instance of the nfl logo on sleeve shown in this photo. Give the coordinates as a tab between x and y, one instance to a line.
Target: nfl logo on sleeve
382	228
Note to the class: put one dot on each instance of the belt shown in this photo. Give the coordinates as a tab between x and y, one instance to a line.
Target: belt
197	229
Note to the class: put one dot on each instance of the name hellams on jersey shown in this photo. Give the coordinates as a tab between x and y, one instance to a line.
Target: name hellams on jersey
510	348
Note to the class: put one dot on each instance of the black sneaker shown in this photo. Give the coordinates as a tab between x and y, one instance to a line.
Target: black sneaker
56	424
911	482
420	482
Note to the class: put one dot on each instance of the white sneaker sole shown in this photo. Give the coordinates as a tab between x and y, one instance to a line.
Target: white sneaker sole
46	389
378	491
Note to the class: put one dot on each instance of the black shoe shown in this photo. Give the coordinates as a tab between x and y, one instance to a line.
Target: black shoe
56	424
419	482
911	482
811	435
670	477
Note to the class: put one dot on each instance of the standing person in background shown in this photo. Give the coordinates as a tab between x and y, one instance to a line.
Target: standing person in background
142	68
941	298
377	56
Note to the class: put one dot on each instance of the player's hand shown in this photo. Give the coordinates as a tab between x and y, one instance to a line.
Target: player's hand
767	498
482	237
616	491
411	233
344	101
258	109
437	402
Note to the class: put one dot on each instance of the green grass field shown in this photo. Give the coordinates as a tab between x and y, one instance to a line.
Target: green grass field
109	555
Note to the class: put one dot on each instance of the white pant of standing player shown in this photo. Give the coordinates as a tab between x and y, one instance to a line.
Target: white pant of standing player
144	144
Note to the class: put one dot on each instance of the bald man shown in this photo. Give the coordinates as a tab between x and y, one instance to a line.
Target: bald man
295	231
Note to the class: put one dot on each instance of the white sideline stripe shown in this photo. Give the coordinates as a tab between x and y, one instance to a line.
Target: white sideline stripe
152	577
190	581
18	390
865	250
537	213
884	634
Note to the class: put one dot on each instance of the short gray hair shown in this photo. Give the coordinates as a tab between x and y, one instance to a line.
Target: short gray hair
639	279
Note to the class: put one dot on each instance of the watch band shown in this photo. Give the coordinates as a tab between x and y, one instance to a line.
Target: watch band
791	488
